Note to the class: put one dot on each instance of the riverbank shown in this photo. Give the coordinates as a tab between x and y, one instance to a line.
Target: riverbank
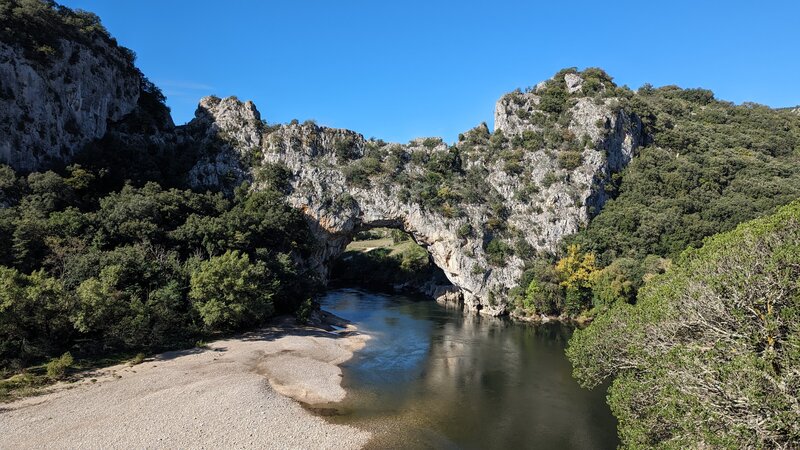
238	392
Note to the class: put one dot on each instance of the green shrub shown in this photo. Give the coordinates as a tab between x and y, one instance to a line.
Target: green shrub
464	231
345	149
531	140
431	143
549	178
57	367
230	291
553	99
305	310
543	294
359	172
498	252
708	355
569	159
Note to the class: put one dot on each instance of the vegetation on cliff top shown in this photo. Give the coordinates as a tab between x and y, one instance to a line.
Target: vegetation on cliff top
38	26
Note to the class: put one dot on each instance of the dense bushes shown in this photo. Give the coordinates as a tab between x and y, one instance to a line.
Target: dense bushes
497	252
710	166
142	268
230	292
709	355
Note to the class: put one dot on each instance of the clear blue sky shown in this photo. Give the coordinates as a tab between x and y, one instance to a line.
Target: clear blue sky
403	69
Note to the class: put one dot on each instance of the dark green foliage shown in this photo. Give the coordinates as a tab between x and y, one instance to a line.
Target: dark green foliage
90	271
464	231
444	163
617	283
430	143
34	316
709	166
498	252
532	140
549	178
596	81
554	97
305	310
276	177
359	172
543	293
708	357
230	292
345	149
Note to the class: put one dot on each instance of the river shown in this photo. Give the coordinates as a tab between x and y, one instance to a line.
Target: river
431	377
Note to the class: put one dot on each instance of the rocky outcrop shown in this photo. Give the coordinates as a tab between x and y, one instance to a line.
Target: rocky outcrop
51	109
481	207
538	177
227	134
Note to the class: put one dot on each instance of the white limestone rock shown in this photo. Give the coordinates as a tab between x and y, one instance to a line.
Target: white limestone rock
48	111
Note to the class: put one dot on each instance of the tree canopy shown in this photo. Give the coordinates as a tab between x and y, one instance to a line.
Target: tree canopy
90	270
710	354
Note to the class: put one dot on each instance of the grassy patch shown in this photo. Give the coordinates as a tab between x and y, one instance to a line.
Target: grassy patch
32	380
369	244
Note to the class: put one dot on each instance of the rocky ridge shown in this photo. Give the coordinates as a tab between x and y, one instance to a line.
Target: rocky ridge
481	207
527	200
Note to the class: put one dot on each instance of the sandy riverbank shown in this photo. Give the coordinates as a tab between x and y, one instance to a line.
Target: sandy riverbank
216	397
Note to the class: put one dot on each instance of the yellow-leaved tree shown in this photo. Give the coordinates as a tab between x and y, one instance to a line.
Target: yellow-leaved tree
577	272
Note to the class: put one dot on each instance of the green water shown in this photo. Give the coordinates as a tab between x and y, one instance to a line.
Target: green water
433	378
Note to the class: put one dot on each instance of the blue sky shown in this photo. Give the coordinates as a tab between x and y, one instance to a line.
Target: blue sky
403	69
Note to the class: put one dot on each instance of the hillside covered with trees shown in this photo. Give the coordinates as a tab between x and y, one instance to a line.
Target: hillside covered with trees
97	272
709	357
707	166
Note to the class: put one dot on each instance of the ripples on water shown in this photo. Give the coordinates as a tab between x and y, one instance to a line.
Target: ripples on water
433	378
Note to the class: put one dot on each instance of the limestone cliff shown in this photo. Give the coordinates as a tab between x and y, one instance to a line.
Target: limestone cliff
49	109
479	207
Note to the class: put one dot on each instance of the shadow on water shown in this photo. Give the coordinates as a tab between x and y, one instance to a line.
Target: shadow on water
433	378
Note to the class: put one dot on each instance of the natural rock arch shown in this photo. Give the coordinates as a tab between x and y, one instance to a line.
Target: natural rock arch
331	187
480	207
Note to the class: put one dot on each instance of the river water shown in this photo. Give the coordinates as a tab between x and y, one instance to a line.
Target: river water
433	378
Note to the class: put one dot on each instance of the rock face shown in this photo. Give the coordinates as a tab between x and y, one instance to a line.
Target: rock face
538	177
228	135
481	207
49	110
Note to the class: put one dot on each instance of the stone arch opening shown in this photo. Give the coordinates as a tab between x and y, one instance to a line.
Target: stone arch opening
383	256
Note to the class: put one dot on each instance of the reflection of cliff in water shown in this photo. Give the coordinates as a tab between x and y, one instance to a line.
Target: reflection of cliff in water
432	377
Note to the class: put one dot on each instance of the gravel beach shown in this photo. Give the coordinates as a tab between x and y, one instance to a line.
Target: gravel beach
216	397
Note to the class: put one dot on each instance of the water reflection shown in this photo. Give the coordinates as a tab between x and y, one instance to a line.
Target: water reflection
433	378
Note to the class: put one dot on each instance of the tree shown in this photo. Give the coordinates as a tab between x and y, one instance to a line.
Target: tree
229	291
34	312
577	272
709	357
616	283
101	303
